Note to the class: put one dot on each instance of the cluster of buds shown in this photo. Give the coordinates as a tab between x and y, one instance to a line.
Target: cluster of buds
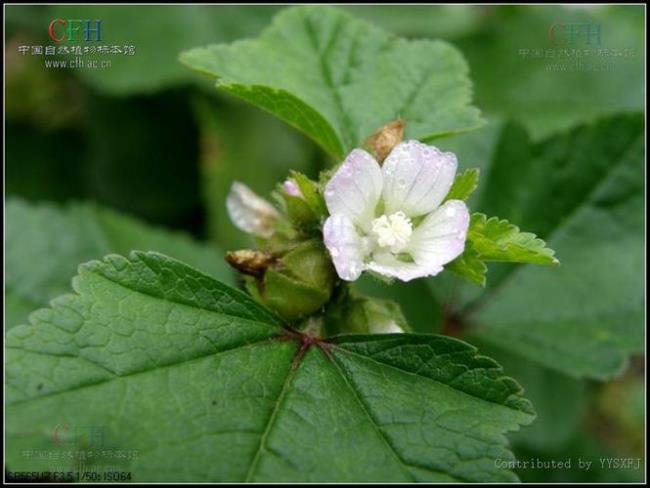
291	272
384	212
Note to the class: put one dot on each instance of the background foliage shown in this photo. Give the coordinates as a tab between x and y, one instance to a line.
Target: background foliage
561	154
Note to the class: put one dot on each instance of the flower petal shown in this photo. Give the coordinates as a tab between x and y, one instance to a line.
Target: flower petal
250	212
387	264
355	188
291	188
345	246
440	237
417	178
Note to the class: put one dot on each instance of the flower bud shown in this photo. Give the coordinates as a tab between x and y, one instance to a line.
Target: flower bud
291	188
298	212
303	202
366	315
297	283
384	139
250	212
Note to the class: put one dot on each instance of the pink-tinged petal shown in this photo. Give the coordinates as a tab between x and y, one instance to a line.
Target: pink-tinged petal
291	188
440	237
345	246
417	177
250	212
387	264
355	188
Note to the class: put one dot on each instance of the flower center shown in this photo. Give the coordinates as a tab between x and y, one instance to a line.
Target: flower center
392	231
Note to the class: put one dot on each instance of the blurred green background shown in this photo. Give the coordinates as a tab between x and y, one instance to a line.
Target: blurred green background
152	139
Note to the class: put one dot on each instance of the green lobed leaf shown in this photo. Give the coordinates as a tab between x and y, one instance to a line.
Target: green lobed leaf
445	21
173	365
583	191
338	79
560	415
492	239
470	266
158	33
519	72
46	242
497	239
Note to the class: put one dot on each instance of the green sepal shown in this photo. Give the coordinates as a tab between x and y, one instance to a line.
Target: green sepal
298	283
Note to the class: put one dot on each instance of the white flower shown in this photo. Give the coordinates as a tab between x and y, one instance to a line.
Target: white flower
250	212
389	219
